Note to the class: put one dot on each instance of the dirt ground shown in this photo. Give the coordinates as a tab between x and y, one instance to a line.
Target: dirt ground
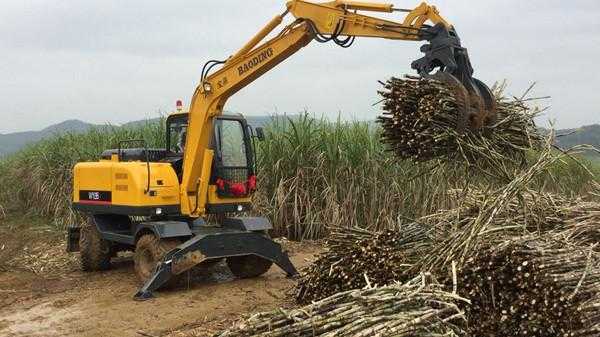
68	302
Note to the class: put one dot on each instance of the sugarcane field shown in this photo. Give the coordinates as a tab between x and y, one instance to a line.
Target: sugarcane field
166	171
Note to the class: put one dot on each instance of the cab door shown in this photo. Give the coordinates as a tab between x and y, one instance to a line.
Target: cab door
233	179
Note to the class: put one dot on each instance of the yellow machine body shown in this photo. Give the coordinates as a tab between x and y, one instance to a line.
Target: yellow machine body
123	188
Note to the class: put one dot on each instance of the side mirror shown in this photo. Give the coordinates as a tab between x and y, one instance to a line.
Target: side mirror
260	134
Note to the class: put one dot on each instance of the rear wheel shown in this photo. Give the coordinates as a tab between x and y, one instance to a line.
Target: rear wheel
248	266
149	251
95	252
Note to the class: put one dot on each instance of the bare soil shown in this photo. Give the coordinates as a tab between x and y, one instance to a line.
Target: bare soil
61	300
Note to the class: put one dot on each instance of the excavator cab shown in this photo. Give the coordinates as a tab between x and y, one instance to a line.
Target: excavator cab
233	164
233	176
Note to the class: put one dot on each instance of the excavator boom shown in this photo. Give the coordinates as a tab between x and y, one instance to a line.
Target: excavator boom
339	22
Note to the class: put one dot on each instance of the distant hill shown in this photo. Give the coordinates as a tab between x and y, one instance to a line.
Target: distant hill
13	142
589	134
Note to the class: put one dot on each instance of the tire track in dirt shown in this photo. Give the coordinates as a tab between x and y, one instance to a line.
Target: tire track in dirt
101	304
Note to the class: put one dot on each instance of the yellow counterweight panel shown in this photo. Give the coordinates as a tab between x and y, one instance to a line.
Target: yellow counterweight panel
128	182
91	177
164	187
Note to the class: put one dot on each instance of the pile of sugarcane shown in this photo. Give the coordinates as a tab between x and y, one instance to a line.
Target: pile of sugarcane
502	213
432	244
416	308
358	257
533	286
528	263
421	121
582	220
437	242
541	284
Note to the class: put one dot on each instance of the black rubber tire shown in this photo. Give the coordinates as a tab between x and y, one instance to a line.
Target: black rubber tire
248	266
95	252
149	250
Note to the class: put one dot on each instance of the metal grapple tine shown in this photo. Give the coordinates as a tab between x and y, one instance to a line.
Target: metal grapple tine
476	102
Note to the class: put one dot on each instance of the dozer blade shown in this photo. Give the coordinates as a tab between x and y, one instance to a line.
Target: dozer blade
211	247
445	53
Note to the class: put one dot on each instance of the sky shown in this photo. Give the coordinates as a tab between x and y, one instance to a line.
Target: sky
114	61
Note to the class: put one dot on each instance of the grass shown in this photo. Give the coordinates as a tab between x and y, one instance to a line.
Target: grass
23	234
318	174
314	174
37	180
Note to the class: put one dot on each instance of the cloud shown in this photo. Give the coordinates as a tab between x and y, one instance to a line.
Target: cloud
115	61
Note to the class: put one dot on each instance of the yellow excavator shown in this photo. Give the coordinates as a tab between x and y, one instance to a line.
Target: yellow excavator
156	202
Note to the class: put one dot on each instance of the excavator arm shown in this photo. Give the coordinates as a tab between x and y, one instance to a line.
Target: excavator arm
338	22
341	18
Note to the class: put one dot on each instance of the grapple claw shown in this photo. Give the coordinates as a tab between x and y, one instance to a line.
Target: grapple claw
461	96
489	102
476	103
477	106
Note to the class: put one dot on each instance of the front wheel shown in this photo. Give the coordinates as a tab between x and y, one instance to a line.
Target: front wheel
248	266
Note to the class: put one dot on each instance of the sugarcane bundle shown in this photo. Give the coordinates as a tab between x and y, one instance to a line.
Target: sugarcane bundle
582	223
422	120
358	257
459	237
449	237
531	209
493	216
533	286
416	308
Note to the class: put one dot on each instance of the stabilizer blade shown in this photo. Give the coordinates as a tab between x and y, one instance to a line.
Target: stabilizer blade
216	246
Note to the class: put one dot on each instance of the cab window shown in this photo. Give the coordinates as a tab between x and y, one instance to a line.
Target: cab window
177	135
230	142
